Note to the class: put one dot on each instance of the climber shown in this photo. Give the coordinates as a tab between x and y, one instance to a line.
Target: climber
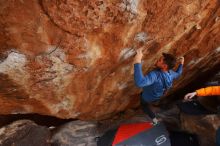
156	82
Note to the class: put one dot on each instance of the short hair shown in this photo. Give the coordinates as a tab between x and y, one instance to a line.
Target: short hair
170	60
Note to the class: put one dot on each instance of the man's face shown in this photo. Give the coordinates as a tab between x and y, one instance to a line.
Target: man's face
160	63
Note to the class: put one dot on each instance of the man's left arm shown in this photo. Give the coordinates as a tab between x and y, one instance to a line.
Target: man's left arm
179	70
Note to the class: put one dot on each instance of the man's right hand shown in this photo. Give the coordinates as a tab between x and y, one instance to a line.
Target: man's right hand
138	56
189	96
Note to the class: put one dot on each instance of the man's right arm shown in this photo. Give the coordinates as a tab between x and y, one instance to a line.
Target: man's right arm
140	79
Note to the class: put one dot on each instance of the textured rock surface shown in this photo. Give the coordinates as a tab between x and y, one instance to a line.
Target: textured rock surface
73	59
77	133
204	126
24	133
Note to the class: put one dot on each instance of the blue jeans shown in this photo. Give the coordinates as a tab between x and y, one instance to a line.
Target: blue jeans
146	109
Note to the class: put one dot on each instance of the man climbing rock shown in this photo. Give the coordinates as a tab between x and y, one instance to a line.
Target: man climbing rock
157	81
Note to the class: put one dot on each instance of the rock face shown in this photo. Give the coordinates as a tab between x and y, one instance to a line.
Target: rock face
73	59
76	133
203	126
24	133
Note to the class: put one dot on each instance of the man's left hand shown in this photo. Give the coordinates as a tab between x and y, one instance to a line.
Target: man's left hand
181	60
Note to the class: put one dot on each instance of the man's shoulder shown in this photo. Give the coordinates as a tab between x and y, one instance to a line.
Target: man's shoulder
172	72
154	71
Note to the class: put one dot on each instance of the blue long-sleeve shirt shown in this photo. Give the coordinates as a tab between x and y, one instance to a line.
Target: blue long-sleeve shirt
156	82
